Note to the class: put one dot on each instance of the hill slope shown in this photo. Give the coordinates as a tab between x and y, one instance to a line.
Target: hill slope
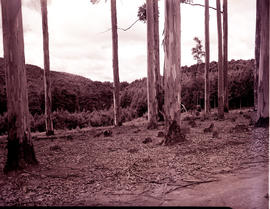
76	93
69	92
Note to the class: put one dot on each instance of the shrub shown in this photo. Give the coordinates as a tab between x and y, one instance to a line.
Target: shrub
37	123
102	118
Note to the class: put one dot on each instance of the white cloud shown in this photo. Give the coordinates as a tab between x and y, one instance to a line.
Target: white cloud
77	44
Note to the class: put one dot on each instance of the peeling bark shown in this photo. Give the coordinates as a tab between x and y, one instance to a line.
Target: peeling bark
263	79
172	73
20	148
152	76
257	52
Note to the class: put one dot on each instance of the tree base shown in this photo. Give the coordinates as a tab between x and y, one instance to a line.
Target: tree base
19	155
226	109
50	133
174	135
262	122
118	124
152	126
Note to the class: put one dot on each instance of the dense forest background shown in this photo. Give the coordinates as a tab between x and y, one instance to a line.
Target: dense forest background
79	102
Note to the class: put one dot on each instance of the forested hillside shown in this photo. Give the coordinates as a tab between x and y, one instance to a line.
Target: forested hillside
80	102
69	92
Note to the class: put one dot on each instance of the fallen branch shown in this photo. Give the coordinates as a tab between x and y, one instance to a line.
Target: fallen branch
150	181
186	185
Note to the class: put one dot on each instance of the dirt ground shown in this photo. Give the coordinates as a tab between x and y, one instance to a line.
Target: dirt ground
127	166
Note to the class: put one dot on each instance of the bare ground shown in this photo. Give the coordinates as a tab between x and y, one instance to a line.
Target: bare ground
129	167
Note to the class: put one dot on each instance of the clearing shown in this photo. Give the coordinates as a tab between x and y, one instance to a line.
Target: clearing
127	166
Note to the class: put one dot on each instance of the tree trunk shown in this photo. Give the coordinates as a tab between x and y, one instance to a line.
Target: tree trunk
220	67
47	79
151	67
172	73
207	58
225	54
20	147
257	52
115	65
263	80
160	96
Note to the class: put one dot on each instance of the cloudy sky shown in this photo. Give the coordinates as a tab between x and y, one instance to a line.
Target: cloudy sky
79	45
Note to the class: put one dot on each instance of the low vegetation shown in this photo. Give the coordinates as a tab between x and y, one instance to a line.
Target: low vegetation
79	102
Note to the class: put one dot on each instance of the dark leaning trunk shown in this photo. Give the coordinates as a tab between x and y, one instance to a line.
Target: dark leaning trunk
257	53
263	78
20	147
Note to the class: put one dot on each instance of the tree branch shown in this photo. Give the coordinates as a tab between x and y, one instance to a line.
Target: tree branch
201	5
123	29
129	26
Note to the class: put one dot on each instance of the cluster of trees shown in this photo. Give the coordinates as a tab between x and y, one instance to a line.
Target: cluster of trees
80	102
20	147
69	92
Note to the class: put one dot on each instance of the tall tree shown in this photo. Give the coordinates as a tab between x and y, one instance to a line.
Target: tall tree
20	147
263	79
116	85
47	79
257	52
225	54
151	67
220	67
159	85
142	15
207	58
172	73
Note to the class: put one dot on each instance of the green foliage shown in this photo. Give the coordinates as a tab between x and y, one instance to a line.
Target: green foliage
240	78
81	103
142	13
197	51
69	92
142	10
37	123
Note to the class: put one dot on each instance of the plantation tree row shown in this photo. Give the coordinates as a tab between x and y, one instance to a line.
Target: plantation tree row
20	147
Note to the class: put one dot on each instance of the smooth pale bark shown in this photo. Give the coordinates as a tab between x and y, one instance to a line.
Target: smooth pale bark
220	67
20	147
263	79
116	85
225	54
160	99
151	67
47	79
207	58
172	73
257	52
